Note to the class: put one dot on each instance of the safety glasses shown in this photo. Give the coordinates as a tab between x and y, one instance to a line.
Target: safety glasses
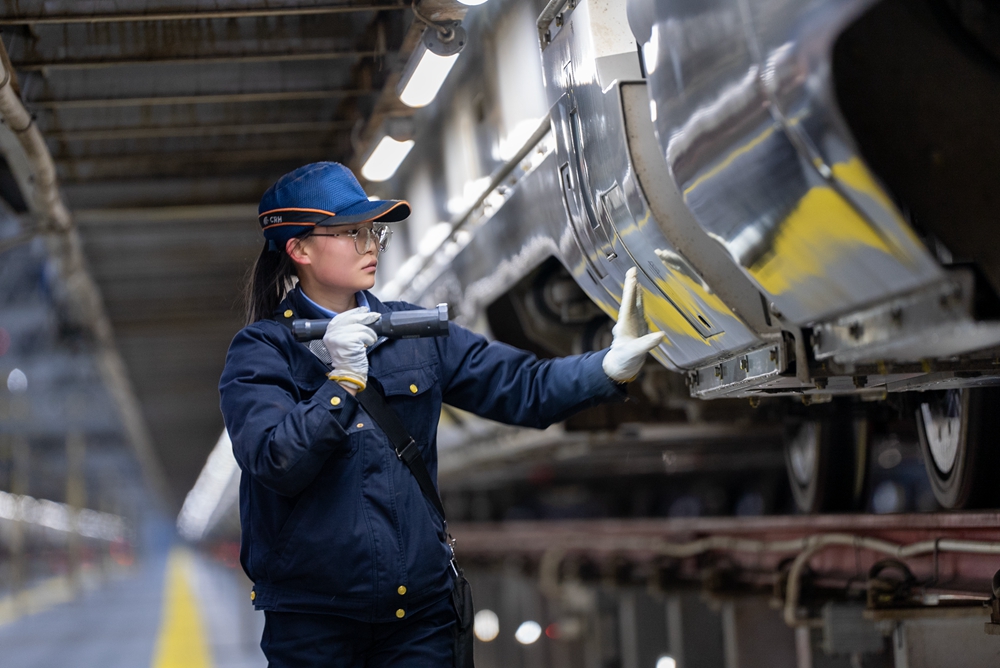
363	237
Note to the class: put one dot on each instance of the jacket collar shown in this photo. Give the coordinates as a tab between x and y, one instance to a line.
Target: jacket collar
300	307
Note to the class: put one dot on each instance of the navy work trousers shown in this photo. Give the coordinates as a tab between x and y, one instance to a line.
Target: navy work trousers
304	640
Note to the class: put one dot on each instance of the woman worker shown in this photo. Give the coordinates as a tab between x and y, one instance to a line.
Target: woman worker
348	558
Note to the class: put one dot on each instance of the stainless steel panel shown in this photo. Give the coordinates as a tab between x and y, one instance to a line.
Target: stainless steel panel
742	104
503	245
675	220
741	375
610	218
936	322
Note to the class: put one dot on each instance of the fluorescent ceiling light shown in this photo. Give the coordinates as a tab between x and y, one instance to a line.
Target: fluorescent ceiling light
427	77
385	159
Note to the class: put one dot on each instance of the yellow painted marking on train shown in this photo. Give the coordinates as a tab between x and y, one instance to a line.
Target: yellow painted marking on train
855	176
821	228
181	642
684	288
662	316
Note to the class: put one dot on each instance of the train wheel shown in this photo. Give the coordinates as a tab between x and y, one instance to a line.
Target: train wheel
958	437
826	461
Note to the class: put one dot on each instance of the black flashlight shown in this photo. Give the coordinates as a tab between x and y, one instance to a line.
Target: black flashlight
395	325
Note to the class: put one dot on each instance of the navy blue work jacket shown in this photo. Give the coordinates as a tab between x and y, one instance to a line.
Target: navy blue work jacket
332	520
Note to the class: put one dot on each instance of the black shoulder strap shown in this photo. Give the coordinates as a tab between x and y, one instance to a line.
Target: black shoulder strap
406	448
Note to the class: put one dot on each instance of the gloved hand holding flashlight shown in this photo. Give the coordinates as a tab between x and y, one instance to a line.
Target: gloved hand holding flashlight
347	337
632	339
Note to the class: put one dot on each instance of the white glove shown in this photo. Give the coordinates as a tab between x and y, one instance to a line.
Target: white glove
632	340
347	336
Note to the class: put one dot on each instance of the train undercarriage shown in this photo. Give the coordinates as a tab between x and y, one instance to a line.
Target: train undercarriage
757	162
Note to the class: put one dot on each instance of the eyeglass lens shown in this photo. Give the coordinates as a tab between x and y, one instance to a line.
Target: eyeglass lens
365	236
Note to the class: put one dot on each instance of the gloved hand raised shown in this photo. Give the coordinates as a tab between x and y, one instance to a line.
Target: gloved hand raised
631	338
347	336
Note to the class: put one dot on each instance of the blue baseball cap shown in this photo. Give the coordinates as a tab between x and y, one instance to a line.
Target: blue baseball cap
321	194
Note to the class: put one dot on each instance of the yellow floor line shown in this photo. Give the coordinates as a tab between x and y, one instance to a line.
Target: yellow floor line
181	642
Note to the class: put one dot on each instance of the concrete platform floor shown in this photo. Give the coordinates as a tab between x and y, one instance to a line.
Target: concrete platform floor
179	609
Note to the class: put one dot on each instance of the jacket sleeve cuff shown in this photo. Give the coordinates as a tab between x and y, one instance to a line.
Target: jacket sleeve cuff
603	385
341	403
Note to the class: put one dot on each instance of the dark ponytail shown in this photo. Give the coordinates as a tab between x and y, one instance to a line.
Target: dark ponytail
267	282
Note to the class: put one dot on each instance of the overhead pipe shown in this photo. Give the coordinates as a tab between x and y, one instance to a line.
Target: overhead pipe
35	172
804	548
16	117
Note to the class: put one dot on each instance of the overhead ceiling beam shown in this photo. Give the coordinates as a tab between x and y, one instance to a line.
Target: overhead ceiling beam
131	17
233	156
102	63
196	131
221	98
165	214
82	169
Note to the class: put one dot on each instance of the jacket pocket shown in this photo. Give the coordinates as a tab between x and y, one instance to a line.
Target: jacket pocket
292	521
308	381
325	545
407	382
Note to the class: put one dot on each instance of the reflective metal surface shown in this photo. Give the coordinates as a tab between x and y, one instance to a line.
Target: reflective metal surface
769	255
741	375
610	218
675	221
937	322
742	103
504	241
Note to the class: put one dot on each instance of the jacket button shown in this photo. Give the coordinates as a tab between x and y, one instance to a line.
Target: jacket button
401	590
335	401
413	388
253	595
360	425
400	613
288	313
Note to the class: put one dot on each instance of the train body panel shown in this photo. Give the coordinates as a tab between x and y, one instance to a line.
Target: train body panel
703	144
503	245
607	207
744	113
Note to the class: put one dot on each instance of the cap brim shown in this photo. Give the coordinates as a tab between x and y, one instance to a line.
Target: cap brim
378	211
